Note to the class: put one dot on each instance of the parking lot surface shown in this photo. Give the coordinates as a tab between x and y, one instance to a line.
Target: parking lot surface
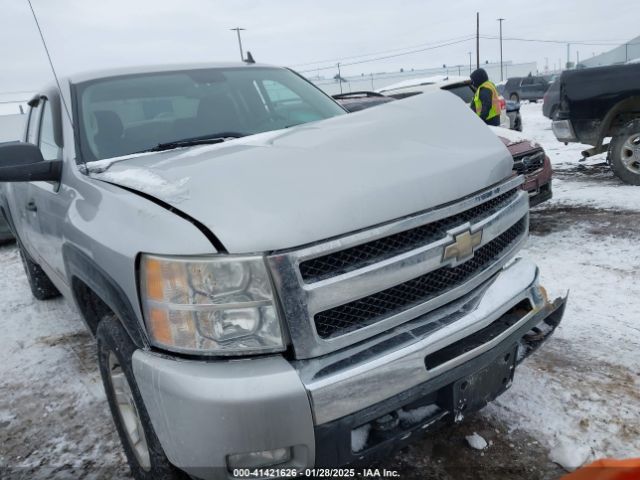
579	393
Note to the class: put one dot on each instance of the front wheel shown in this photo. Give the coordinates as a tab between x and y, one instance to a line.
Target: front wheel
41	286
518	123
141	445
624	154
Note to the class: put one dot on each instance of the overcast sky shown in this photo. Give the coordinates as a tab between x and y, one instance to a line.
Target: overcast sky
89	34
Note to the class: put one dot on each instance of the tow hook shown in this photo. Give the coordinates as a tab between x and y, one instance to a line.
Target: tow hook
386	422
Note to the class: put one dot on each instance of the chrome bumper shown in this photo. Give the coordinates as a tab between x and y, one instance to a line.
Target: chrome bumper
342	391
203	412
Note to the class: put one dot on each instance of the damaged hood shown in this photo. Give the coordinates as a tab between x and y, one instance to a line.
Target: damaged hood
292	187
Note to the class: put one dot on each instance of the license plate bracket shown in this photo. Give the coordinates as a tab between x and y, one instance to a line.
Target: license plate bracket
471	393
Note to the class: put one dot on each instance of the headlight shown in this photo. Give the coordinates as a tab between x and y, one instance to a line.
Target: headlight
219	305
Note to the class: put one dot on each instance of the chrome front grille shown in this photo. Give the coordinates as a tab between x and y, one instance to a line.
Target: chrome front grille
529	163
348	289
343	261
373	308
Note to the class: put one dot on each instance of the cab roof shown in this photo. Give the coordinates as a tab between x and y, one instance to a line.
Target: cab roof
90	75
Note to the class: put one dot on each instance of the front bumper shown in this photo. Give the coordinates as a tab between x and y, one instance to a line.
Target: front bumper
437	401
204	411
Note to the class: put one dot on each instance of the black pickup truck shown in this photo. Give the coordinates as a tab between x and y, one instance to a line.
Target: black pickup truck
601	103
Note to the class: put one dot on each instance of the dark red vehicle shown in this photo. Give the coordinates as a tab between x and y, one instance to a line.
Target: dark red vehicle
530	160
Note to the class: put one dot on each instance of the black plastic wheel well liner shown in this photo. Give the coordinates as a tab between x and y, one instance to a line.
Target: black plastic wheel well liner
97	294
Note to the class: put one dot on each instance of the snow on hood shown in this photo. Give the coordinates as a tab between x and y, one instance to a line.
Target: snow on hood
511	137
439	80
292	187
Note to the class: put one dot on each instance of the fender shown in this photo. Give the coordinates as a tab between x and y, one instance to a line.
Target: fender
81	267
627	105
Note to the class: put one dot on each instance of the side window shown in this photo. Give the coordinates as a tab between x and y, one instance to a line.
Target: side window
278	92
286	104
46	142
527	81
32	127
540	82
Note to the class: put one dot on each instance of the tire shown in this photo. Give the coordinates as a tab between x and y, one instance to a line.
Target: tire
115	350
515	97
41	286
518	123
624	153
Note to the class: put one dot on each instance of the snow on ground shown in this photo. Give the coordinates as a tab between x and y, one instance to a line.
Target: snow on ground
575	398
54	421
583	387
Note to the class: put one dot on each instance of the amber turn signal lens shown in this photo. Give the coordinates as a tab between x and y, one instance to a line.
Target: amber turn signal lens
154	280
160	328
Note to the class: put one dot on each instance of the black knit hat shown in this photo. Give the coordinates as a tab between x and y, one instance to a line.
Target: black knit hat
478	77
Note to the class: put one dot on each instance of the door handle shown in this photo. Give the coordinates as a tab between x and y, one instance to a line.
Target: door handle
32	207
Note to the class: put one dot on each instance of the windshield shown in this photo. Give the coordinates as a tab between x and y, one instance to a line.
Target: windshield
133	113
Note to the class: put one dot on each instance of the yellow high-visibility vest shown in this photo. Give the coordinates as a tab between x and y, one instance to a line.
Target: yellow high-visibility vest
495	102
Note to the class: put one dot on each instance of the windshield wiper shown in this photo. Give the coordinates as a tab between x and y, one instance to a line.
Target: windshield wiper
190	142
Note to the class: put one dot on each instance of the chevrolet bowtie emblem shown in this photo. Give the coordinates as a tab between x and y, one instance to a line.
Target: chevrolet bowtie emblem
462	247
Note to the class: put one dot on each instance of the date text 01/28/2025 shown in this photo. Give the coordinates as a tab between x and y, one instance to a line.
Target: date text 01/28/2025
315	473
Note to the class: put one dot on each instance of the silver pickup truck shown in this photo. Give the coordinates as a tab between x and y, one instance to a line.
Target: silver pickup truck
274	284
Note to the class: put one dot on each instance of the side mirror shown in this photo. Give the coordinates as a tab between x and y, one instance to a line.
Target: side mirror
23	162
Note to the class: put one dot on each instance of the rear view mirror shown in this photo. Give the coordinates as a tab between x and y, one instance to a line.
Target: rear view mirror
23	162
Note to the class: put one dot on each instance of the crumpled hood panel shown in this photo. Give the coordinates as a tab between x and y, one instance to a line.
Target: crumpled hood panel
293	187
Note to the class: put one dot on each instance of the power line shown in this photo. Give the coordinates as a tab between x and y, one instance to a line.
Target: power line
563	42
433	47
341	59
441	44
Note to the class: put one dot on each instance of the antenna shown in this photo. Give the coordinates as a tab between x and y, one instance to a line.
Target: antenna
64	103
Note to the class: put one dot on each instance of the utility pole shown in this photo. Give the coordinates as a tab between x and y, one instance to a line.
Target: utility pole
626	52
568	54
237	30
339	76
577	58
501	72
477	39
469	63
546	64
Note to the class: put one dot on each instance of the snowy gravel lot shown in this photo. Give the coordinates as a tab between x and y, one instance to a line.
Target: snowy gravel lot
577	397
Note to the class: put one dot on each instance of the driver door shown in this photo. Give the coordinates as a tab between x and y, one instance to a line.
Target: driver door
48	203
22	213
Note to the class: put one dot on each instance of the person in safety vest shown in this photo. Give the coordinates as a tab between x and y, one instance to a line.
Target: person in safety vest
485	101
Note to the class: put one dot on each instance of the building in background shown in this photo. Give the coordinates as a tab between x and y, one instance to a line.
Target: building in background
12	127
14	102
621	54
374	81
